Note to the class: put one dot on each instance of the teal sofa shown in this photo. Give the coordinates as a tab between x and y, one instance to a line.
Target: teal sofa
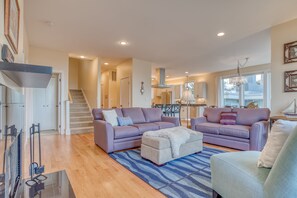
236	174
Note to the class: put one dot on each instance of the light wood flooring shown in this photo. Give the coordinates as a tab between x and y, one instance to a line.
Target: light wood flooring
91	171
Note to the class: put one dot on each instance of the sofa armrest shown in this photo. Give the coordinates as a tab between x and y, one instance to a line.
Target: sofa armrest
173	120
258	135
195	121
103	135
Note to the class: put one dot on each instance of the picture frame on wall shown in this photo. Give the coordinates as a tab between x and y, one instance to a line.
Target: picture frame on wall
290	52
12	23
290	81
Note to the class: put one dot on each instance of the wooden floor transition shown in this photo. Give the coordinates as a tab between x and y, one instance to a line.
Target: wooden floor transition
91	171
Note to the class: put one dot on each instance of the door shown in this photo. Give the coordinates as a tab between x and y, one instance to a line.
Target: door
45	105
125	92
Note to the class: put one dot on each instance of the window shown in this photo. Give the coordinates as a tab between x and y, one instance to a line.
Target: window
255	90
230	94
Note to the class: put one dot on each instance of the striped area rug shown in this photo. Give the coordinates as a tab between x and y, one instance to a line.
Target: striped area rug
187	177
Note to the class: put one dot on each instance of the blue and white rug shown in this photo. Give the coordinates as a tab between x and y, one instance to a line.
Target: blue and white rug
189	176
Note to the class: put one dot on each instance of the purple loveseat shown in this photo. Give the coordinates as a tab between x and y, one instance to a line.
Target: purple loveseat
249	133
116	138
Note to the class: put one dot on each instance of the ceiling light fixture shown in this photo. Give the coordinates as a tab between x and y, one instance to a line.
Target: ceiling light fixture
239	79
186	72
106	63
124	43
221	34
167	76
82	57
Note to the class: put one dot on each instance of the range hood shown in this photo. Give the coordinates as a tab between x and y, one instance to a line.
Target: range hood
161	79
16	75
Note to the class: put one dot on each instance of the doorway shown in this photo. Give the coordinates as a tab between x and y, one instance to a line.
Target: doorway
125	92
46	105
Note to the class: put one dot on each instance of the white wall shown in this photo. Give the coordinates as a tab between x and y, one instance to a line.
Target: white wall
141	72
19	58
23	50
73	73
281	34
59	61
89	81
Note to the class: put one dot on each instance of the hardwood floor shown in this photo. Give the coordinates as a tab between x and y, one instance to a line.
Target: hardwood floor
91	171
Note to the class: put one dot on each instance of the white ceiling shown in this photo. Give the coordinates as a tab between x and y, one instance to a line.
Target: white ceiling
179	35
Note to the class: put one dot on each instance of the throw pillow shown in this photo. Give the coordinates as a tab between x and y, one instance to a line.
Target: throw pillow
280	131
110	116
125	121
228	118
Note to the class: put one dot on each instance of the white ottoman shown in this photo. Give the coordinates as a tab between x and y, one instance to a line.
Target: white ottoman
158	150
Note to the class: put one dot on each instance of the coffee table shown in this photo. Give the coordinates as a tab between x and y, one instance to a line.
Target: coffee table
158	149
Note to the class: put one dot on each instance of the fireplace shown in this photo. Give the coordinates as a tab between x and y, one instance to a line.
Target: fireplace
11	176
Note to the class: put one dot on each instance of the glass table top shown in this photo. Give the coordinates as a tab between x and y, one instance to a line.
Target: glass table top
56	185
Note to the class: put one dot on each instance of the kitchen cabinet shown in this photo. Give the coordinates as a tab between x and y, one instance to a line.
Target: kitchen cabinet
194	111
178	91
200	90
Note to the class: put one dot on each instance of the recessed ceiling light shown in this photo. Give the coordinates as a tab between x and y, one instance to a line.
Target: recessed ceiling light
106	63
221	34
186	72
167	76
82	57
124	43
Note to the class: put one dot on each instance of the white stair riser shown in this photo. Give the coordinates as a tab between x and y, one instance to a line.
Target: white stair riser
76	114
73	110
74	131
81	125
82	119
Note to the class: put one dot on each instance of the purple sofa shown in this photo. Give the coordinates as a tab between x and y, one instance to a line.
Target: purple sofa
116	138
249	133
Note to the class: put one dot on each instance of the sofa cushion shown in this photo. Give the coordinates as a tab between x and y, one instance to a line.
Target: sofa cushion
235	131
228	118
97	113
251	116
214	114
280	131
282	178
135	114
110	116
125	131
152	114
164	125
235	174
146	127
124	121
208	127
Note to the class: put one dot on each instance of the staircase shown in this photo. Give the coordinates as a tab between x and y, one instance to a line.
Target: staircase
81	120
